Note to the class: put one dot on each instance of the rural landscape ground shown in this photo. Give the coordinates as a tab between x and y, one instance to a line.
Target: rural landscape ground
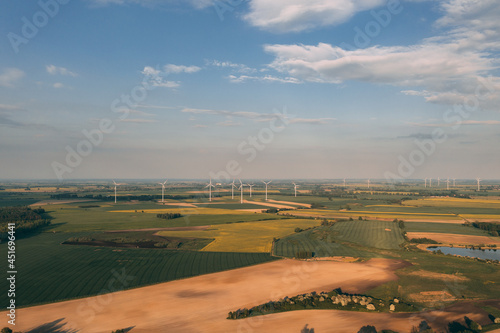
184	264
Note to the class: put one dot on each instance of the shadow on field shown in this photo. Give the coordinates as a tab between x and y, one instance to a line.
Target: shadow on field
56	326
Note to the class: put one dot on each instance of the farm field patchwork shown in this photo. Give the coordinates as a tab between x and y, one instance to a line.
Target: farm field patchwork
245	237
53	272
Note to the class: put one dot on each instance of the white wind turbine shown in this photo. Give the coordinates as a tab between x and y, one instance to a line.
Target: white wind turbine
163	190
251	185
368	183
344	182
266	186
232	189
448	183
295	188
425	182
439	180
478	184
241	189
210	185
454	182
115	188
430	182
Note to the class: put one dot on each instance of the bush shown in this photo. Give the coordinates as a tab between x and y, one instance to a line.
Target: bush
423	241
368	329
6	330
298	229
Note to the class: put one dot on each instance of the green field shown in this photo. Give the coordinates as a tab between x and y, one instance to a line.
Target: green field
447	228
73	219
330	241
49	271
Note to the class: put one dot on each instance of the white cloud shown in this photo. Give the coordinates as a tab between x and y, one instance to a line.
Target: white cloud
317	121
10	77
138	121
54	70
299	15
267	78
198	4
58	85
171	68
240	68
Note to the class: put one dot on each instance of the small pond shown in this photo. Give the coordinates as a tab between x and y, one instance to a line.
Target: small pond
491	254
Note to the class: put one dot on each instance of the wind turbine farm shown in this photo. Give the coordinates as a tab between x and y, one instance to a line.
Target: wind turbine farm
318	125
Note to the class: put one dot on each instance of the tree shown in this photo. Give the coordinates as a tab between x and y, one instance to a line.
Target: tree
368	329
6	330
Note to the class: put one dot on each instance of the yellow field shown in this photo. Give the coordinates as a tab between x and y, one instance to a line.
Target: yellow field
322	213
454	202
245	237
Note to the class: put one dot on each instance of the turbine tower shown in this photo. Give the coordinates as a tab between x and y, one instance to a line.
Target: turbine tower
430	182
115	188
241	188
295	188
448	183
266	186
163	190
478	184
439	180
344	182
454	182
232	189
251	185
210	185
368	183
425	182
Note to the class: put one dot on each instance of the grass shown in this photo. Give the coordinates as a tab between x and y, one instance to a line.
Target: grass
330	241
447	228
49	271
478	280
245	237
377	234
71	218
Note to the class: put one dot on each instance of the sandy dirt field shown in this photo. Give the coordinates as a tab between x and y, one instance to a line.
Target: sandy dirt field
455	239
291	203
268	204
201	304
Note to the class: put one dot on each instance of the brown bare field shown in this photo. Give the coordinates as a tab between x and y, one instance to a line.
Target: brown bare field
455	239
59	202
268	204
291	203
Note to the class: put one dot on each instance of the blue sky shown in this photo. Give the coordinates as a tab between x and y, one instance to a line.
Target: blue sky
249	89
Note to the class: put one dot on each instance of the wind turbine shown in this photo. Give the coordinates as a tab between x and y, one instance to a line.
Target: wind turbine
210	185
439	180
295	187
232	189
115	188
448	183
163	190
430	182
478	184
425	182
454	182
368	183
251	185
344	182
266	186
241	188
